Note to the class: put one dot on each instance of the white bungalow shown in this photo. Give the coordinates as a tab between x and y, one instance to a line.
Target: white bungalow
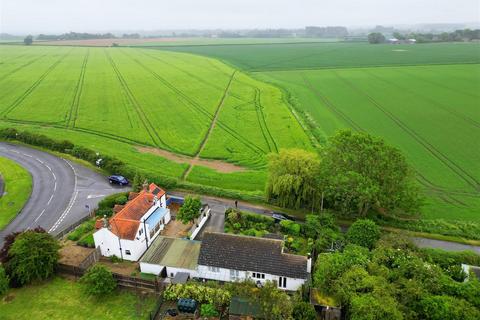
129	233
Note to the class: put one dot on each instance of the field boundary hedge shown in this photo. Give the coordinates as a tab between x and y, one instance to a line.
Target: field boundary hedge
113	165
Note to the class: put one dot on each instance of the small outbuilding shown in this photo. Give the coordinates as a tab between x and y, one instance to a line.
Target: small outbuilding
172	257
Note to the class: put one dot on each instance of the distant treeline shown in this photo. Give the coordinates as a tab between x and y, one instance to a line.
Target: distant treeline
85	36
457	35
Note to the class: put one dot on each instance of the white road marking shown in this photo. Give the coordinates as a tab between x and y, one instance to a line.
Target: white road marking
70	205
38	216
27	155
93	196
50	200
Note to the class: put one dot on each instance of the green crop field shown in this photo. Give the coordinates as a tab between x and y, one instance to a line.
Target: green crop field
424	99
234	103
116	100
262	57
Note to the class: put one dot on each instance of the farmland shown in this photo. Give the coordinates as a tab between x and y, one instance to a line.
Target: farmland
423	99
115	100
169	109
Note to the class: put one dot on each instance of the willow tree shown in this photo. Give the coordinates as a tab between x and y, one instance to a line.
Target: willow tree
293	179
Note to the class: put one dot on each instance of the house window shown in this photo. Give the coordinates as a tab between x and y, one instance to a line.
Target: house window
258	275
140	232
282	282
234	274
127	252
213	269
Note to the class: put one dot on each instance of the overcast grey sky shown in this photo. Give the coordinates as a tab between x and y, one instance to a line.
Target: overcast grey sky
35	16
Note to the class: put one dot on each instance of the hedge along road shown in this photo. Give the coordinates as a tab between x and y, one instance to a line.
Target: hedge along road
60	193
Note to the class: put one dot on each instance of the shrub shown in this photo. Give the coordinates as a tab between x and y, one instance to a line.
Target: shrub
110	201
98	281
115	259
104	212
303	311
208	310
4	280
87	241
34	256
121	200
363	232
290	227
82	229
202	294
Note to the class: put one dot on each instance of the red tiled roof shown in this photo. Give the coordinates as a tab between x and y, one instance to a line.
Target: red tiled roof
125	223
118	207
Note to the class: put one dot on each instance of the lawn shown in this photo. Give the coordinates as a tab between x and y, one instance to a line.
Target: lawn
42	301
18	186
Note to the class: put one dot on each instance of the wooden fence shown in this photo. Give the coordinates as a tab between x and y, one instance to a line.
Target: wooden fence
122	280
90	259
68	229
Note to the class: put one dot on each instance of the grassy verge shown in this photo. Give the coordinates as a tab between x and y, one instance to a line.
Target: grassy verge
18	186
64	299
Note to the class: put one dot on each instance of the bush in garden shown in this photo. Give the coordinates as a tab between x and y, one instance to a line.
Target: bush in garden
4	281
363	232
98	281
304	311
87	242
33	256
208	310
290	227
121	200
200	293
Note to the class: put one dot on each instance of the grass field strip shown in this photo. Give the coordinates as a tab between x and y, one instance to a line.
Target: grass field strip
78	93
438	84
141	113
263	123
258	68
420	177
322	98
212	125
192	75
22	97
202	110
458	170
427	98
8	74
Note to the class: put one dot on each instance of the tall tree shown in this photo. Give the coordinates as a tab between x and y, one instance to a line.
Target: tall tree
28	40
359	171
293	179
376	37
190	210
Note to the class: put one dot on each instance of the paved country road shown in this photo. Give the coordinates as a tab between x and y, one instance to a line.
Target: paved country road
60	192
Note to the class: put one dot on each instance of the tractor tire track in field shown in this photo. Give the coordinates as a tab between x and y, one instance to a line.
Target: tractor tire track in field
21	67
436	84
262	67
210	128
443	107
330	105
420	177
78	93
202	110
194	76
141	113
263	123
24	95
459	171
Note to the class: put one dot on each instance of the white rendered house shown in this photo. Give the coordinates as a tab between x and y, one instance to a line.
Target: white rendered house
130	232
230	258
